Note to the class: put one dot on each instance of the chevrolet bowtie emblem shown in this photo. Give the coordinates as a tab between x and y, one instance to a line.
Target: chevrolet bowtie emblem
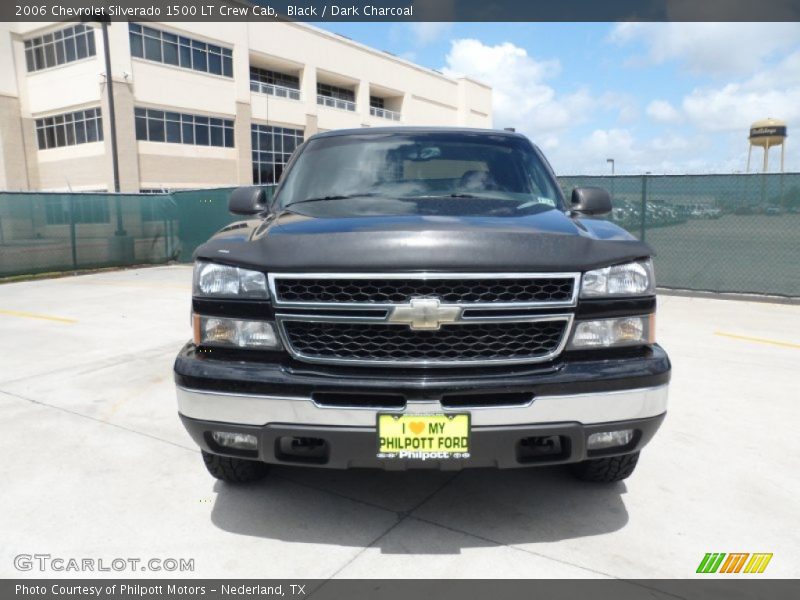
424	313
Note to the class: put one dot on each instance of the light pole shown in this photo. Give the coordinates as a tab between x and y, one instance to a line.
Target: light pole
113	124
611	160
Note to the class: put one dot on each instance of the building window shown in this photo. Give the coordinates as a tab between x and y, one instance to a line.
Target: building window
274	83
168	48
68	129
60	47
86	210
332	91
272	147
336	97
377	108
178	128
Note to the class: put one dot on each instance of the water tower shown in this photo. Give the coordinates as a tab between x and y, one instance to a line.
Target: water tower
767	134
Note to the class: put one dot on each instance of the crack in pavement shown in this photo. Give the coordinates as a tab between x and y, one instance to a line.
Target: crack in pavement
96	420
402	516
91	366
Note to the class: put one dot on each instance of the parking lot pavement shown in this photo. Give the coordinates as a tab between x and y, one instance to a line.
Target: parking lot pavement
97	465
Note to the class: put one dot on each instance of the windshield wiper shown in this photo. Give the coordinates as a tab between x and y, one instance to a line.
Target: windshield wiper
332	197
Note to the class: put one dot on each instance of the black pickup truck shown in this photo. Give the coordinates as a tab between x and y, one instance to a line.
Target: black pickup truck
422	298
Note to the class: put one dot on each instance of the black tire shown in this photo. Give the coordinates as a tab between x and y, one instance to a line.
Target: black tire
606	470
234	470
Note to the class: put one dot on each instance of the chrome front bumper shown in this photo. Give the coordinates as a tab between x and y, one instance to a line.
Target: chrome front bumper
589	408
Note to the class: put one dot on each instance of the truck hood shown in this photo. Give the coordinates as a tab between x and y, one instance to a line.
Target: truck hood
548	241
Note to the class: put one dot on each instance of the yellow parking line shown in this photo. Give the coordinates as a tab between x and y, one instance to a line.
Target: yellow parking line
27	315
758	340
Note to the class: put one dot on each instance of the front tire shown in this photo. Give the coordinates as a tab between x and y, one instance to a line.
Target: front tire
234	470
606	470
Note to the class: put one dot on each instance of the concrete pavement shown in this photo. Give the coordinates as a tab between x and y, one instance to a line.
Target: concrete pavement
96	463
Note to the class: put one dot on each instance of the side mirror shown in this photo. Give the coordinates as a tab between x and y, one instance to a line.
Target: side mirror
249	200
591	201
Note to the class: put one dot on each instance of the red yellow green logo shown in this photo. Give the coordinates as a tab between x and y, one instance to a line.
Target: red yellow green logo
734	562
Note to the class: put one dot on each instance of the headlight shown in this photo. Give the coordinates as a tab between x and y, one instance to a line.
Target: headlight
211	279
235	333
624	331
630	279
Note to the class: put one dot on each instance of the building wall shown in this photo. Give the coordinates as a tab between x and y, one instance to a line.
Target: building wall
421	96
13	151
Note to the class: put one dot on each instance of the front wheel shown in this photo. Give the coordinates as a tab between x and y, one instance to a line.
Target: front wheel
234	470
606	470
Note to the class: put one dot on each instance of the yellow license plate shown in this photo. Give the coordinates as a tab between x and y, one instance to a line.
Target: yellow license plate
423	436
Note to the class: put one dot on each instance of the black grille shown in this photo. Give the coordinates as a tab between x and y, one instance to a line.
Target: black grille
370	342
448	291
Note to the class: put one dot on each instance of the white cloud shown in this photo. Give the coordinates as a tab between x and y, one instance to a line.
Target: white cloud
734	106
425	33
623	103
671	153
710	48
608	143
703	132
662	111
773	92
520	96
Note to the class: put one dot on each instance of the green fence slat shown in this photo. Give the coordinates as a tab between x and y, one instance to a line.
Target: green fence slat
718	233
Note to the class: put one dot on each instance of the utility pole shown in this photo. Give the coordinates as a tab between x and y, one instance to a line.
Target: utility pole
613	180
112	116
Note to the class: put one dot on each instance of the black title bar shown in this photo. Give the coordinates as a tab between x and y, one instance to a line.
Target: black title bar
402	10
710	588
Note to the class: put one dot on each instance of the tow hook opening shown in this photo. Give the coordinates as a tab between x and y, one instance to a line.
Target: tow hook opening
302	449
542	448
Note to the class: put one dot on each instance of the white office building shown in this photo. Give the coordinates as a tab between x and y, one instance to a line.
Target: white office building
199	104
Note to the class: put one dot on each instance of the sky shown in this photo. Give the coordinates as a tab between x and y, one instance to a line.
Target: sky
657	97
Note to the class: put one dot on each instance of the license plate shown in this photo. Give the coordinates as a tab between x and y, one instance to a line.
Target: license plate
423	437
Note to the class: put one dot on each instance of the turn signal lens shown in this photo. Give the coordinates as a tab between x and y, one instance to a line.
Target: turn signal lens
624	331
235	333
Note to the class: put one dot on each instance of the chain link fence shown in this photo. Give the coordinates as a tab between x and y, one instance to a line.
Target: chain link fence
50	232
56	232
719	233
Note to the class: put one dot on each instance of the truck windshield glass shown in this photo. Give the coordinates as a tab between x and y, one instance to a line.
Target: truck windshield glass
440	174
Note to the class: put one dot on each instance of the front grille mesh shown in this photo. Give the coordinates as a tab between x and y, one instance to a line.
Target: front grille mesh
448	291
477	342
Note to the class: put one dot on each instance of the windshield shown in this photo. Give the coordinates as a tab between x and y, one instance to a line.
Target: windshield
453	174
